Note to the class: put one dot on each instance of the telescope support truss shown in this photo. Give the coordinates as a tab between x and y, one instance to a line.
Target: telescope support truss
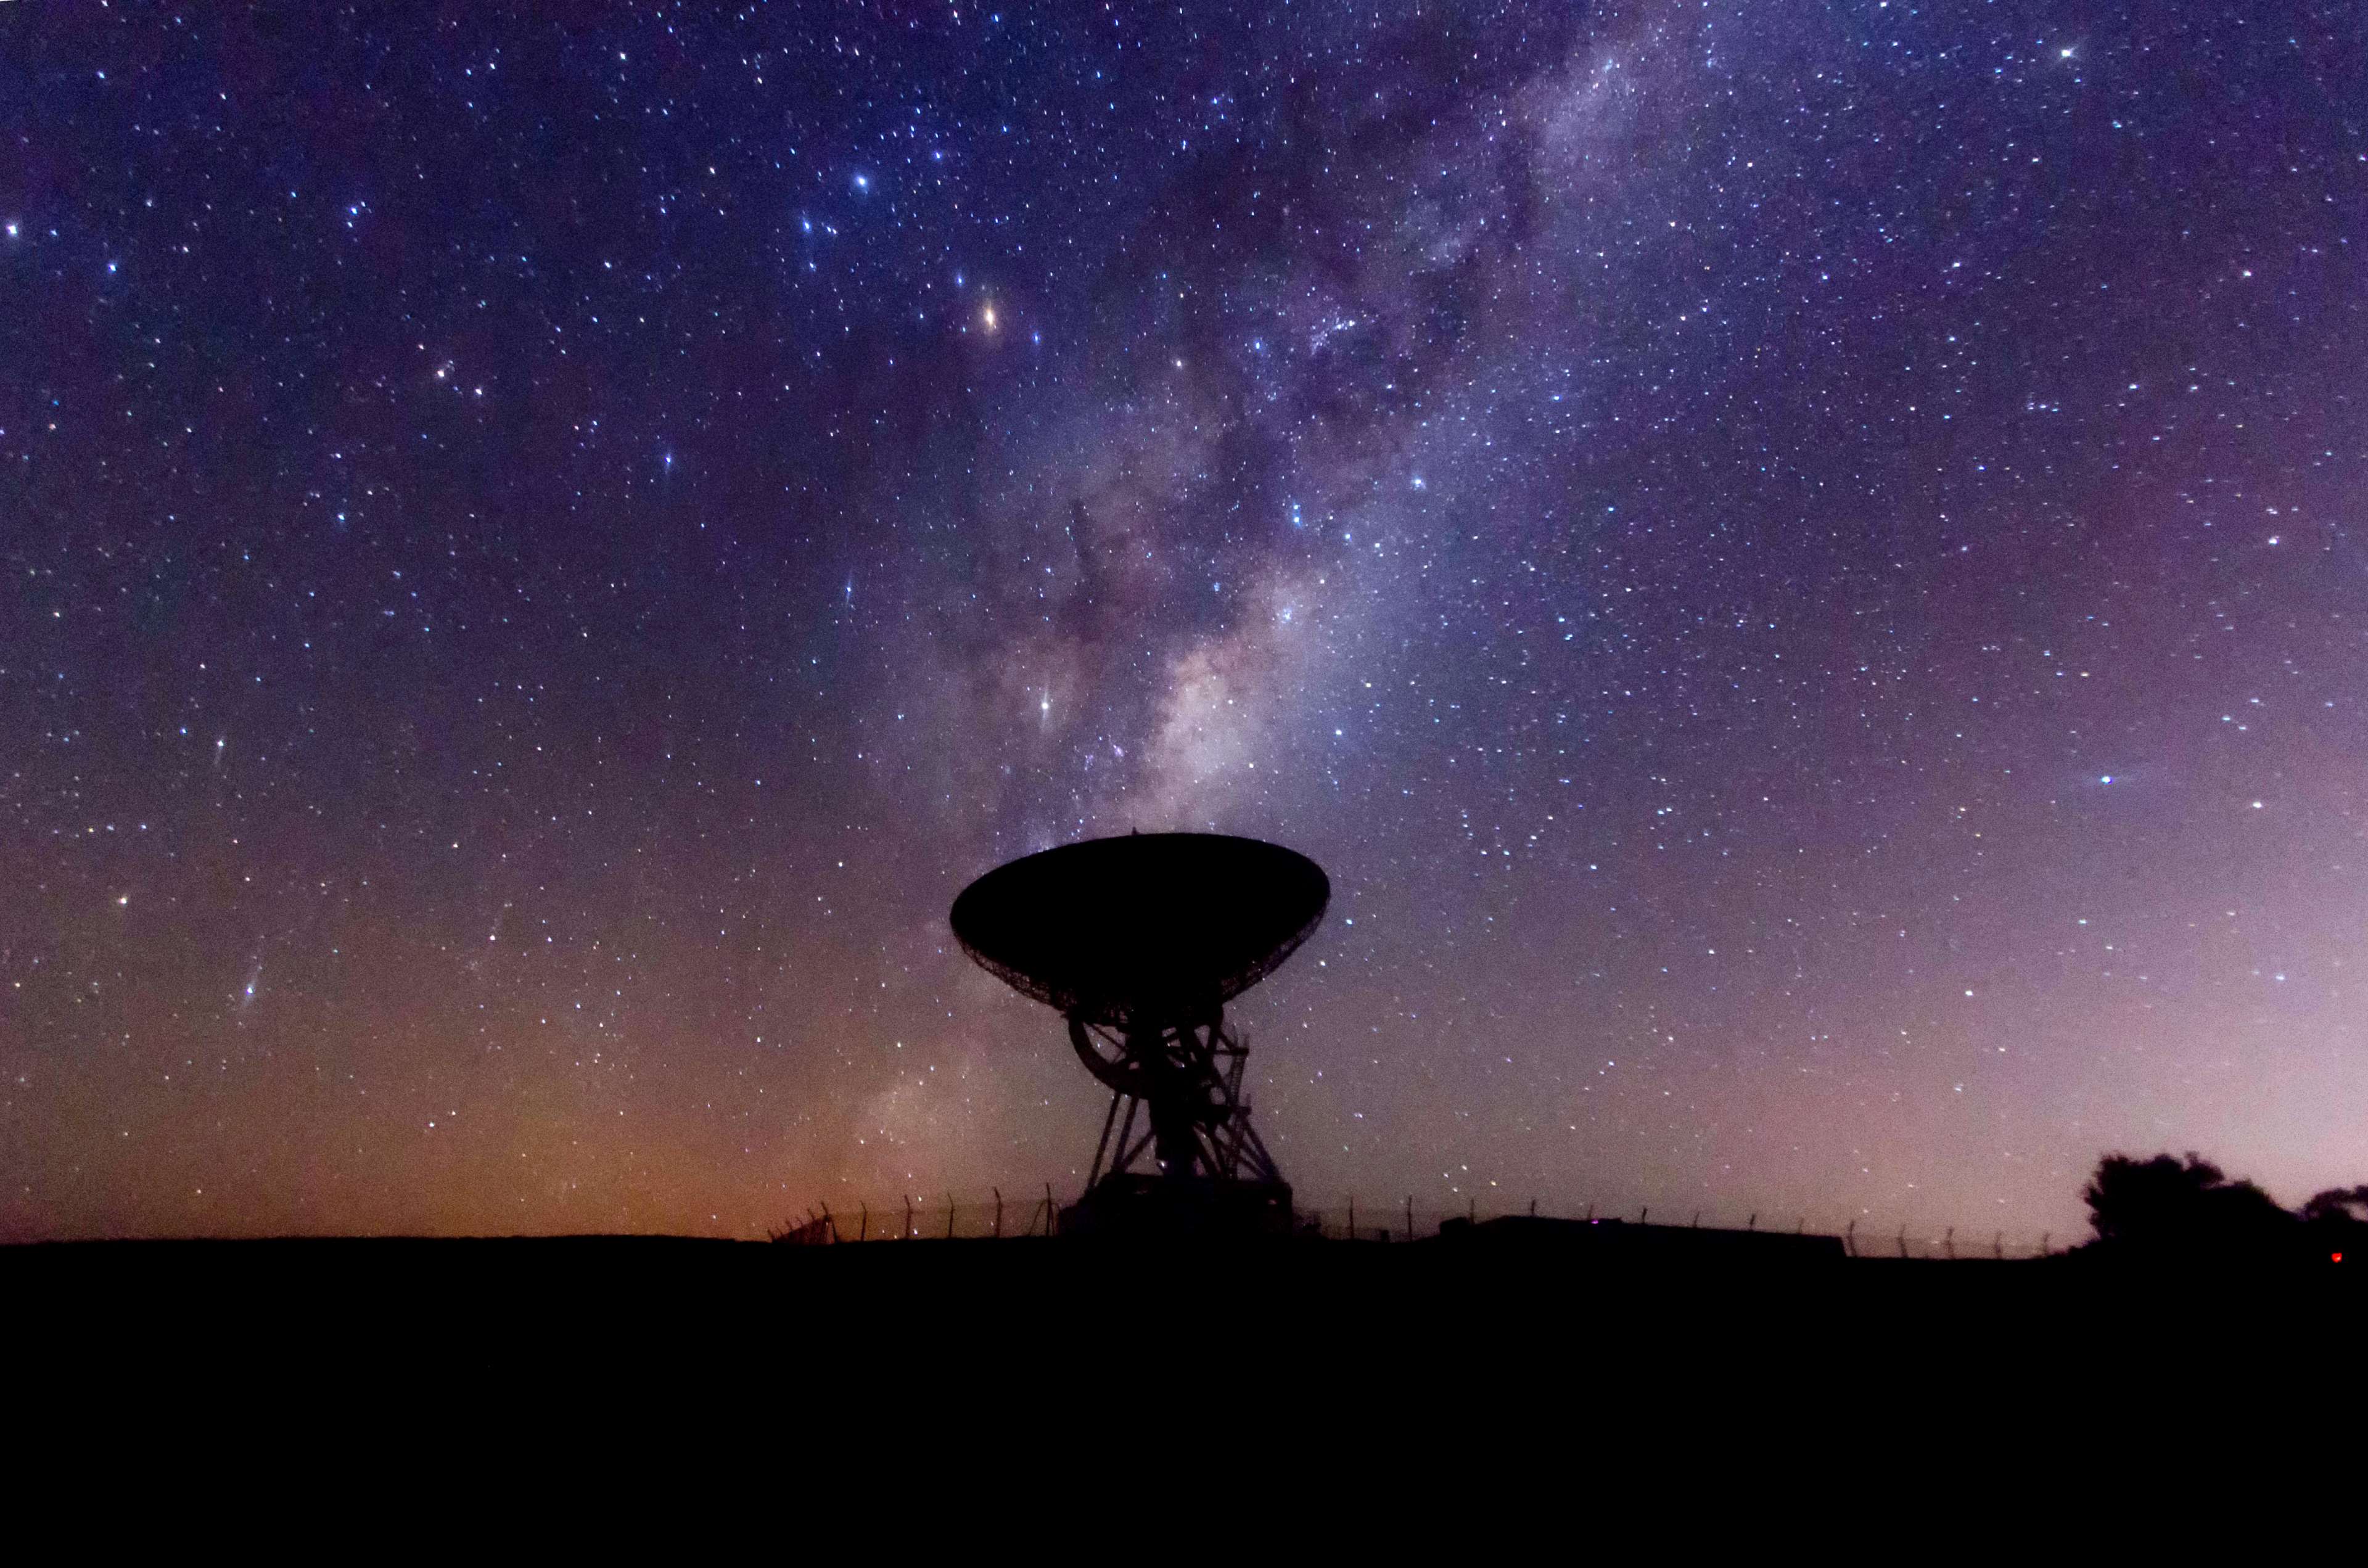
1176	1107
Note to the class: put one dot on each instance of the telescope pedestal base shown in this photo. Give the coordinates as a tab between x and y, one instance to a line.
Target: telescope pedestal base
1136	1206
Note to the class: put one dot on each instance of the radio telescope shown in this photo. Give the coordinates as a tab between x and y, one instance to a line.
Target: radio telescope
1139	942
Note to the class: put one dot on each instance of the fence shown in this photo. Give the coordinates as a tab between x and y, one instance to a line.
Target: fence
1407	1220
1014	1217
909	1219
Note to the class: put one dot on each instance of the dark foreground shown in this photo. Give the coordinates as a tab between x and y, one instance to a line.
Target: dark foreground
535	1356
504	1298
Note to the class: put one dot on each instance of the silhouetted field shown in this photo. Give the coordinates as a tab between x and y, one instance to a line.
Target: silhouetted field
964	1275
648	1335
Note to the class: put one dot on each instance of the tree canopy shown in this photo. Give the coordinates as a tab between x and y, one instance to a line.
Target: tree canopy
2167	1207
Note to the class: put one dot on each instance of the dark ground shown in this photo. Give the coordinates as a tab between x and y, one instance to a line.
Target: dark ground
878	1377
491	1301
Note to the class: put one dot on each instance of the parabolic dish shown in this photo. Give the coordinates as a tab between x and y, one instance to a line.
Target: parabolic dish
1149	928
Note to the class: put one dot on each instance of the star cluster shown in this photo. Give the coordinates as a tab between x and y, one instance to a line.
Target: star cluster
1802	569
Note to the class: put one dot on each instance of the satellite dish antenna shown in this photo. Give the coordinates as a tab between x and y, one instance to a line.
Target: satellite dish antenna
1139	942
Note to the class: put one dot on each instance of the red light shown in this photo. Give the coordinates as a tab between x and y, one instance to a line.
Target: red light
2337	1257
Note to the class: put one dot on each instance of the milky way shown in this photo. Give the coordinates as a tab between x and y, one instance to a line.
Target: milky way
1799	567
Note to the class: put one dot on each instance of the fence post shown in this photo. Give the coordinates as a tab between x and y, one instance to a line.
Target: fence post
1353	1216
863	1229
998	1213
1533	1208
1850	1239
1472	1210
907	1233
2045	1237
1409	1216
1998	1248
1903	1241
829	1224
1753	1223
1948	1243
1642	1212
1590	1212
949	1216
1052	1214
1697	1219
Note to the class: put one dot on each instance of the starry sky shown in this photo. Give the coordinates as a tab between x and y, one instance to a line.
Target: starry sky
1801	566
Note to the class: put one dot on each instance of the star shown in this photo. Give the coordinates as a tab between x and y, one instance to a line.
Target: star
1792	569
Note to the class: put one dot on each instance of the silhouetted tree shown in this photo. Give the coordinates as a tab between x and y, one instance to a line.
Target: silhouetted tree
2338	1204
2335	1223
2164	1207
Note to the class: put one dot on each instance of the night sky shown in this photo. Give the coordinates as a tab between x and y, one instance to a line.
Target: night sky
1801	566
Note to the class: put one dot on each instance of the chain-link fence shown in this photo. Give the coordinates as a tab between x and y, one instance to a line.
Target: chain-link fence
1013	1216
